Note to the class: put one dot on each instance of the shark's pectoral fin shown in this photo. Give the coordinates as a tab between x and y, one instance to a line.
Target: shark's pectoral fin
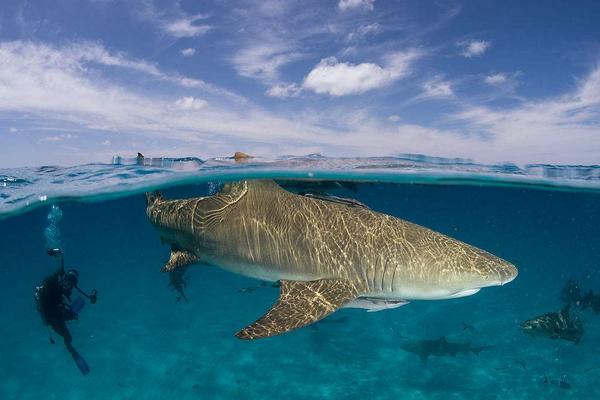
180	258
299	304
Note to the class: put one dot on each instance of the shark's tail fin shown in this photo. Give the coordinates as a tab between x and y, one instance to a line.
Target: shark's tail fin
153	197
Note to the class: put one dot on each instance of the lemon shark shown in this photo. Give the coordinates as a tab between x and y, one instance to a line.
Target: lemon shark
327	254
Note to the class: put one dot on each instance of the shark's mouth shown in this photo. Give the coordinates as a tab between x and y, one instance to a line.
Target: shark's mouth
504	280
512	278
509	279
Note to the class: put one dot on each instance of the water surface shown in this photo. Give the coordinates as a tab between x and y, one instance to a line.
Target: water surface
142	344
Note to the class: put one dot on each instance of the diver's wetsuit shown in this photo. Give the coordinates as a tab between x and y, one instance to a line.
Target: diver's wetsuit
53	305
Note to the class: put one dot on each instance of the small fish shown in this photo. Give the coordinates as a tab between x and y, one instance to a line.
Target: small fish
510	366
340	320
560	383
178	281
467	327
522	364
248	289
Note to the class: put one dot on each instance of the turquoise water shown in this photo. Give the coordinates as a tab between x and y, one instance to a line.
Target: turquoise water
142	344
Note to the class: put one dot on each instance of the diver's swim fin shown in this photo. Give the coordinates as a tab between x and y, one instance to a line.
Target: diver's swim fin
79	360
299	304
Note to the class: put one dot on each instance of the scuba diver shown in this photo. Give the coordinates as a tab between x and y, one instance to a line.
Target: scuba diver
53	298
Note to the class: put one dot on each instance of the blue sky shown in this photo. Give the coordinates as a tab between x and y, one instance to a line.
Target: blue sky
493	81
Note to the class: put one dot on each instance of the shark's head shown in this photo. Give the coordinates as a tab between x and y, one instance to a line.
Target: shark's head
472	270
453	271
493	271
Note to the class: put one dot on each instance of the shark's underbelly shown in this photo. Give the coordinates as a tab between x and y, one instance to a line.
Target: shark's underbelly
384	289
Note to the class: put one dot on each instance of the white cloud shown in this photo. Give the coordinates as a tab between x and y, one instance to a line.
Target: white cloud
188	52
437	87
57	83
72	55
506	83
589	90
55	87
173	21
496	79
185	26
190	103
341	79
348	51
363	32
13	130
57	138
562	129
106	143
284	90
473	48
399	63
394	118
347	5
262	61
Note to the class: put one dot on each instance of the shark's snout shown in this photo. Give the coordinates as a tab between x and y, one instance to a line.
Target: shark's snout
499	273
507	273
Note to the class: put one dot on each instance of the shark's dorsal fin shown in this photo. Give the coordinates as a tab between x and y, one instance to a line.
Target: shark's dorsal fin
299	304
178	259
